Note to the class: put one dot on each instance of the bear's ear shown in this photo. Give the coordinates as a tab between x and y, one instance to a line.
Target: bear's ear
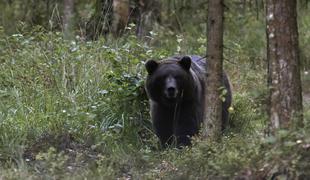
185	62
151	66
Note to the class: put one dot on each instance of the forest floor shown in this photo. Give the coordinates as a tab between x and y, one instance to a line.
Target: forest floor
96	125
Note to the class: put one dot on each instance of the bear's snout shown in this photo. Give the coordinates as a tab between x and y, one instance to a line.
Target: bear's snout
171	90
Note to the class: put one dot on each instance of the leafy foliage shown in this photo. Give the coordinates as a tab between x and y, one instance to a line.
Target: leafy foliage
76	109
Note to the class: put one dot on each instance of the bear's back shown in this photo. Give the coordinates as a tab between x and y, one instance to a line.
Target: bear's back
198	62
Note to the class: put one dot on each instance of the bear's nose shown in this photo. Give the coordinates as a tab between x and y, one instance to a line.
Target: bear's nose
171	92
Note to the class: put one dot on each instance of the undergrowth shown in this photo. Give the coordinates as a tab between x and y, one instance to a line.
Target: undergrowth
76	110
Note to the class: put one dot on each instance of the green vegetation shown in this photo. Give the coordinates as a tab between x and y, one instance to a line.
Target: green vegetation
76	109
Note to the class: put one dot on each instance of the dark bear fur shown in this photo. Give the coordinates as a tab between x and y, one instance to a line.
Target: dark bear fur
176	89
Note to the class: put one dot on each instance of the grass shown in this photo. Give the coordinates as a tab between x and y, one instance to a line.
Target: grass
78	110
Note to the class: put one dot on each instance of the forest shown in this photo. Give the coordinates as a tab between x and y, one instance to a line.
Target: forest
74	104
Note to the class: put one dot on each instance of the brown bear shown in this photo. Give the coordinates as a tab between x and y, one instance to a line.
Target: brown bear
176	90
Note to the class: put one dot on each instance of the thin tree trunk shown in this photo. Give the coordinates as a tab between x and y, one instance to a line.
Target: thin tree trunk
283	64
69	76
68	19
213	117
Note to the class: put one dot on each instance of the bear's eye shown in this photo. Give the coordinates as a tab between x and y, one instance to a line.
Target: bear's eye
163	78
178	77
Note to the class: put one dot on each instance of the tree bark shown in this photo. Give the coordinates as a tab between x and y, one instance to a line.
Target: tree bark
149	15
68	19
213	116
69	69
101	22
283	64
120	16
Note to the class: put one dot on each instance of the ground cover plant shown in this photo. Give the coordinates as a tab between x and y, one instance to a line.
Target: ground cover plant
78	109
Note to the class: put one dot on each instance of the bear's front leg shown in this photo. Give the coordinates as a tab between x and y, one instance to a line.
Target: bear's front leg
187	124
183	135
164	131
162	118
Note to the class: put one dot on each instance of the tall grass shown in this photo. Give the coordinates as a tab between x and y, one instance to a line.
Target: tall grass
76	109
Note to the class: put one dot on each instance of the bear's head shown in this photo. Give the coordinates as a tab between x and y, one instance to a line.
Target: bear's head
169	81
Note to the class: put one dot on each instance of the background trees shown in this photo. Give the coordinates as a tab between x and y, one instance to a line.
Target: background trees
284	79
114	15
283	64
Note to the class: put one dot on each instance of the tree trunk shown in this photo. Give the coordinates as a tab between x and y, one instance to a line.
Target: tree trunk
69	69
147	16
112	16
101	22
68	19
120	16
213	116
283	64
